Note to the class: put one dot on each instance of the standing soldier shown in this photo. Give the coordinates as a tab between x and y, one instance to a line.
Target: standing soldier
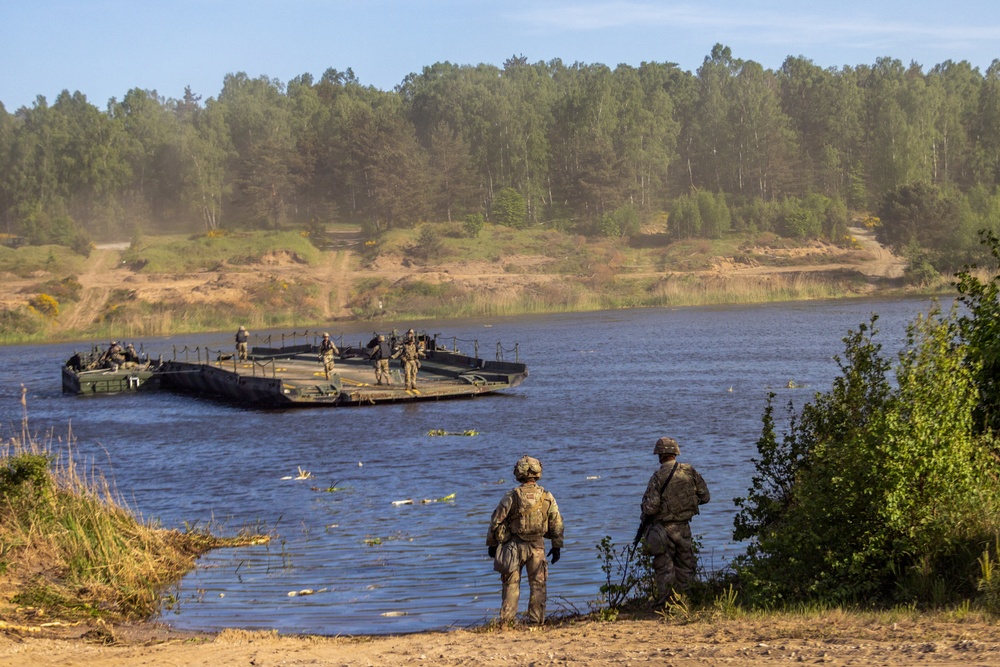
525	516
410	355
380	354
672	497
242	336
326	351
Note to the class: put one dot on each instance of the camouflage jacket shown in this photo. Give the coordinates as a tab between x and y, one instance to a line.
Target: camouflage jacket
680	499
410	352
529	512
326	347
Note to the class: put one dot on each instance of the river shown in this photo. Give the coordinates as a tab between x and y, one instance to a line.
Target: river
602	388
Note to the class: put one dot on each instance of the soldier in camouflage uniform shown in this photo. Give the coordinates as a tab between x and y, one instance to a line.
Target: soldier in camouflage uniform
380	354
516	538
242	336
410	355
672	497
326	352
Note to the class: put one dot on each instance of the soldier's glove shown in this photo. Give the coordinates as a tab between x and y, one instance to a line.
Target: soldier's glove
492	551
555	552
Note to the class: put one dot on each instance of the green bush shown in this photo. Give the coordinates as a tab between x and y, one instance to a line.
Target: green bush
509	208
879	492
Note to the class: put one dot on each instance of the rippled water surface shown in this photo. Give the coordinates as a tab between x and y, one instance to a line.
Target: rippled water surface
602	388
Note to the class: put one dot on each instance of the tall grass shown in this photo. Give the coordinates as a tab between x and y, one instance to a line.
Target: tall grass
70	546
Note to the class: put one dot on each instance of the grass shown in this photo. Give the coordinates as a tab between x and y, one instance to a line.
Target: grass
71	549
204	252
28	260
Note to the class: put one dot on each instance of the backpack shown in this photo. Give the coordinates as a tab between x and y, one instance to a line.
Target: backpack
532	516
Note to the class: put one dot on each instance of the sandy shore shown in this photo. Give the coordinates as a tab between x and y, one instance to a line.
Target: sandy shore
833	638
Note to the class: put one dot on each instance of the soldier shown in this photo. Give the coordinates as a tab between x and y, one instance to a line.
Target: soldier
131	356
113	357
326	351
380	354
410	354
516	538
672	497
242	336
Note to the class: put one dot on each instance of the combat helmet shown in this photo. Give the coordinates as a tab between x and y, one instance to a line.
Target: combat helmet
666	446
527	469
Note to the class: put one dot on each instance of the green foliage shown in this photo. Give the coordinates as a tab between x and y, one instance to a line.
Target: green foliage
921	213
714	213
24	476
980	329
685	218
509	208
473	224
876	493
628	577
622	222
428	245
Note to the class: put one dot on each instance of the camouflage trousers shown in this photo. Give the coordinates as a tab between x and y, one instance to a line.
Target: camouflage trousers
327	364
410	372
241	350
674	568
382	372
532	559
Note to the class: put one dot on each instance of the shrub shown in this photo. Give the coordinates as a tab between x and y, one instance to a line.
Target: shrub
877	493
509	208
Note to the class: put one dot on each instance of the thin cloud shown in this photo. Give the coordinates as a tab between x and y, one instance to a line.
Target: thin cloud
769	27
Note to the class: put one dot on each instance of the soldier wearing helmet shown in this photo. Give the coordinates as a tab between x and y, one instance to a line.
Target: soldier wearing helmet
380	354
242	336
672	497
410	355
326	351
525	516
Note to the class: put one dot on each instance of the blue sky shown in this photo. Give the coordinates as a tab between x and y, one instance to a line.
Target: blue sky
103	48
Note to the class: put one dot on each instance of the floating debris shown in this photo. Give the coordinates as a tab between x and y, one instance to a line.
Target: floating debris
593	477
439	431
450	496
395	613
373	541
408	501
303	474
305	591
330	489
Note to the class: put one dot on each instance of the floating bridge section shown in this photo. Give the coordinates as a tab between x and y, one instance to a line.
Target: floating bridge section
292	375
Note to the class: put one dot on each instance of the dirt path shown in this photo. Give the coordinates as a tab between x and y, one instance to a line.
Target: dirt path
335	281
95	280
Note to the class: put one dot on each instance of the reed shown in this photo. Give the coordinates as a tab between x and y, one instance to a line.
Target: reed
71	548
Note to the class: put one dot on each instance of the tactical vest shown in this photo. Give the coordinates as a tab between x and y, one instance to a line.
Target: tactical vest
530	516
680	500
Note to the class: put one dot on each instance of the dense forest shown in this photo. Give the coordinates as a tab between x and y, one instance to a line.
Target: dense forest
582	147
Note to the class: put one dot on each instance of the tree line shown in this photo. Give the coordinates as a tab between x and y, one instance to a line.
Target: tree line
576	146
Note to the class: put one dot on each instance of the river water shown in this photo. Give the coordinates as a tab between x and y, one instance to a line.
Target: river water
602	388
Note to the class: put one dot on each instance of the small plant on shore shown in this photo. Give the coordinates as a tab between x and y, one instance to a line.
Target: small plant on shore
628	578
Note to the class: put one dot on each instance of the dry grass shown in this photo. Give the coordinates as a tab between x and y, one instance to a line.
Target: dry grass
72	549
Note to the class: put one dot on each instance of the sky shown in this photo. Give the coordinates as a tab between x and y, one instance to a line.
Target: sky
104	48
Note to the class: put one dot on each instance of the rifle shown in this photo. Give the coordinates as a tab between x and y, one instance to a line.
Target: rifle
647	519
